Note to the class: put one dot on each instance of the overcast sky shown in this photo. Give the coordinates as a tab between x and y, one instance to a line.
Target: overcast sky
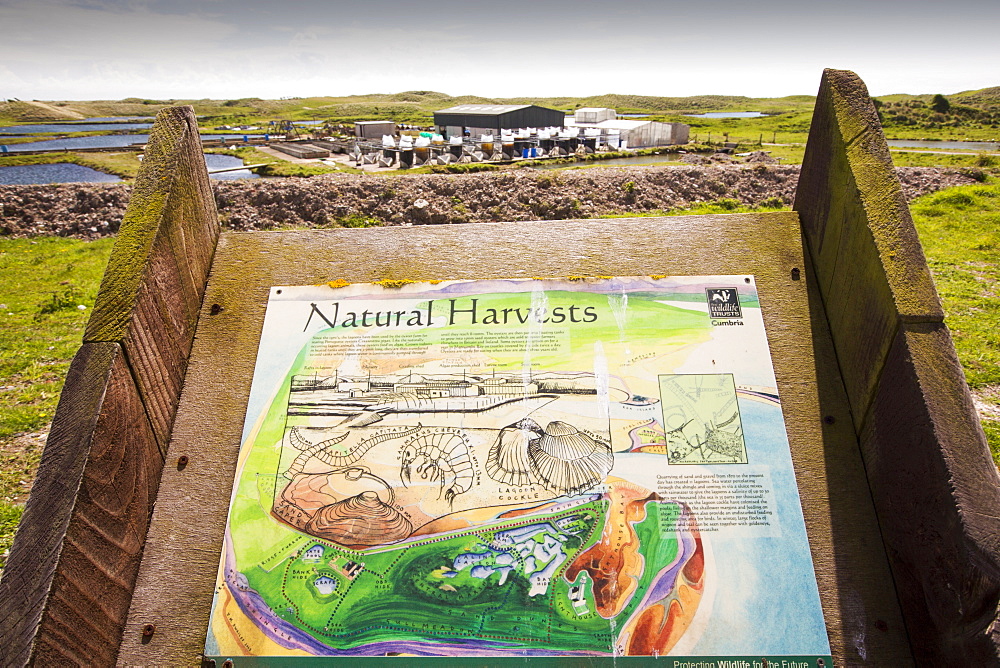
183	49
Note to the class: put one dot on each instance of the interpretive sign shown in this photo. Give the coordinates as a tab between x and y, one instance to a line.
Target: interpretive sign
580	467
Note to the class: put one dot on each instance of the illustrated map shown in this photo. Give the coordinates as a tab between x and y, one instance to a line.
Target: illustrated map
516	468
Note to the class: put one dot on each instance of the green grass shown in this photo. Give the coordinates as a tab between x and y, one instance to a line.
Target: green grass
913	159
125	165
45	280
9	517
960	232
723	205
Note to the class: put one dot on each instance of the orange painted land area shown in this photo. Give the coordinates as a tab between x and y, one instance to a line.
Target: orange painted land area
615	563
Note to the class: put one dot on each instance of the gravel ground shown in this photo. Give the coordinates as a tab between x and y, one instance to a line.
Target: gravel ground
94	210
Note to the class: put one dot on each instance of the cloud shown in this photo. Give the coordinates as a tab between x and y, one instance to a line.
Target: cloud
87	49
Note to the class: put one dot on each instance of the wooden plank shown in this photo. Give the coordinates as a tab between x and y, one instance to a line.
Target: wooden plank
68	584
69	579
851	562
152	289
867	257
933	482
185	537
938	492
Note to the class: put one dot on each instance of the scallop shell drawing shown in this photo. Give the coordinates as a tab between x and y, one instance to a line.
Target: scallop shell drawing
568	460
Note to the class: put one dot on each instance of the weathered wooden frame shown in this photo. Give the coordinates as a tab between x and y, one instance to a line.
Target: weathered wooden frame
896	479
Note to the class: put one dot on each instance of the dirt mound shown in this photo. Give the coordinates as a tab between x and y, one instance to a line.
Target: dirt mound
95	210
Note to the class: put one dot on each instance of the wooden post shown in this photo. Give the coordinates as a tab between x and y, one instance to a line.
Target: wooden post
933	482
68	583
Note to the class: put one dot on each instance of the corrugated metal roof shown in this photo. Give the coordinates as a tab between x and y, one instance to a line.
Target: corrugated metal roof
485	109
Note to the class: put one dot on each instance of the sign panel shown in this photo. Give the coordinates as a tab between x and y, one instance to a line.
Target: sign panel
517	468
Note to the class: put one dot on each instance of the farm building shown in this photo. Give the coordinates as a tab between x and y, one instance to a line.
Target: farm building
480	119
373	129
633	133
594	114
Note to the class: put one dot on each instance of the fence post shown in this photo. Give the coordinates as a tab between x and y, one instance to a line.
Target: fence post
933	481
66	590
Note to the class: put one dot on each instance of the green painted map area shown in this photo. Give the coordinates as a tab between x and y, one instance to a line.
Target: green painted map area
506	583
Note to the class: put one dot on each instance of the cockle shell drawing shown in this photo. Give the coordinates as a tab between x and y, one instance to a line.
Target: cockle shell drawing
508	460
568	460
560	457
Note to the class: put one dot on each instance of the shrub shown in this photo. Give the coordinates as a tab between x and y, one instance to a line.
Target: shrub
973	173
69	298
771	203
357	220
985	160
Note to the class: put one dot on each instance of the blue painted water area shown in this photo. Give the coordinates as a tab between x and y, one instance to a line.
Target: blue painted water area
62	172
106	141
967	145
71	127
728	114
218	161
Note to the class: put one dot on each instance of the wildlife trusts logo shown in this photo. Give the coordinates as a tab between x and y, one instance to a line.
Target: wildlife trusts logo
723	303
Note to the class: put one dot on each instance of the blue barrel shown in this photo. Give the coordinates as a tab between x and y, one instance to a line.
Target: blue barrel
245	139
534	152
3	148
267	136
525	153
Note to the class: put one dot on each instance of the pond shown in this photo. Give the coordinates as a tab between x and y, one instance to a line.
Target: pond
967	145
71	127
729	114
220	161
67	172
611	162
61	172
70	143
105	141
